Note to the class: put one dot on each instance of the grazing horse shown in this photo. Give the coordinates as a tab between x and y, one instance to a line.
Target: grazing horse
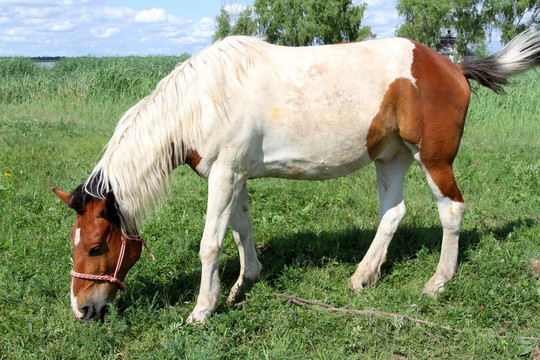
244	109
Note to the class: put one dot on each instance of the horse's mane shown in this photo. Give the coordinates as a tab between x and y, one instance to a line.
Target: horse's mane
152	137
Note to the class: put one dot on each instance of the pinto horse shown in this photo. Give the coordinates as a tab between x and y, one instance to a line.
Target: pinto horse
244	109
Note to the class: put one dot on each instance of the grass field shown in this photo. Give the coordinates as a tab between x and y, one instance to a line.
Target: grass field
309	236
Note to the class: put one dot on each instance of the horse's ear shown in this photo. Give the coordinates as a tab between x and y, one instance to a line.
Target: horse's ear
111	209
62	195
110	201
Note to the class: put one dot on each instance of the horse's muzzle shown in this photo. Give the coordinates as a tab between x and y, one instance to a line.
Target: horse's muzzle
90	312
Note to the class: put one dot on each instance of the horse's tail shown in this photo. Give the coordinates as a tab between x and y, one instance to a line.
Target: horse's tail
520	54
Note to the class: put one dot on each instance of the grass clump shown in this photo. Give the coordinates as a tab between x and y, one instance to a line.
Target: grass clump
82	78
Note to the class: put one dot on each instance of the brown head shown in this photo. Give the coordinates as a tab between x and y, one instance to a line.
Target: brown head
97	242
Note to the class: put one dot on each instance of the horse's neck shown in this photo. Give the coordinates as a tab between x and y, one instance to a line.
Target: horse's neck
140	156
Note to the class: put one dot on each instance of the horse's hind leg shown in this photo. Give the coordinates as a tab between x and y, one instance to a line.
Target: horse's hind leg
250	268
390	179
451	208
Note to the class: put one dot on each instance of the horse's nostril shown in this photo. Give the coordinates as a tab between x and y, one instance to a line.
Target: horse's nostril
103	312
88	311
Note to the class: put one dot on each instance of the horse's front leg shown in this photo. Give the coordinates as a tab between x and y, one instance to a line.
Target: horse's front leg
224	185
250	267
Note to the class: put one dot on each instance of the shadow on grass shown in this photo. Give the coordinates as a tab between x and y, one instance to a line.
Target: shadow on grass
308	249
349	247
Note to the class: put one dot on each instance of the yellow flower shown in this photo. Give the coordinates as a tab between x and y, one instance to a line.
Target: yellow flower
7	174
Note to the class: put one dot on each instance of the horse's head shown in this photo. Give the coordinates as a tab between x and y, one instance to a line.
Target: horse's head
102	254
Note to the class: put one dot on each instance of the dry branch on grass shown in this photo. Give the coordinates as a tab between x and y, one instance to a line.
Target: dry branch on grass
320	306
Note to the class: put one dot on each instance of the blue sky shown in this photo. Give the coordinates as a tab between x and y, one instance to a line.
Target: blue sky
123	27
194	9
131	27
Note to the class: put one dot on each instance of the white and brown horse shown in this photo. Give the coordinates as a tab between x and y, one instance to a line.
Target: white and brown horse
244	109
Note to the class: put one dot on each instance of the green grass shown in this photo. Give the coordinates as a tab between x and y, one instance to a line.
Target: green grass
309	236
82	78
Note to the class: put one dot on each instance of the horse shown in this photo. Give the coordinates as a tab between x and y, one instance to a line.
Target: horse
244	109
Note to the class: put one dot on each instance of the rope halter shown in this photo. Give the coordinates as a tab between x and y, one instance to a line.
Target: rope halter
114	279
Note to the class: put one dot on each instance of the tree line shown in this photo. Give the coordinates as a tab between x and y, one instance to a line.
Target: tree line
315	22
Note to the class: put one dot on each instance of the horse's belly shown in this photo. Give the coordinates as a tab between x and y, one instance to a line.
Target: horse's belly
316	161
301	169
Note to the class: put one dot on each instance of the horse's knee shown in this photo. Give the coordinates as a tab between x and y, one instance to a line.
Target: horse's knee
209	253
391	219
451	214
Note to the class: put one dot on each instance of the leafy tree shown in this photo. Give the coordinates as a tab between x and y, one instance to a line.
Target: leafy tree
472	20
298	23
339	21
245	25
514	16
223	25
286	22
424	19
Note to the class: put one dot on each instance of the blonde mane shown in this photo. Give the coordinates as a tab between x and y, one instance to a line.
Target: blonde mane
152	137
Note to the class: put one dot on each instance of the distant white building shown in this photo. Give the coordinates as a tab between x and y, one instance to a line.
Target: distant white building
447	47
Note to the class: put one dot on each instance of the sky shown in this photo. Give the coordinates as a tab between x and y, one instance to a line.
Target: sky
134	27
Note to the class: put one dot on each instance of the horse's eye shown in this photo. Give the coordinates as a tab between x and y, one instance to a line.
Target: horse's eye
96	250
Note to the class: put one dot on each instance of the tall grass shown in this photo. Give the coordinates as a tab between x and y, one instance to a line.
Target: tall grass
82	78
309	235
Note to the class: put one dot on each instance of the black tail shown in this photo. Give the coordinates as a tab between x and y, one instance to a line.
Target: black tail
520	54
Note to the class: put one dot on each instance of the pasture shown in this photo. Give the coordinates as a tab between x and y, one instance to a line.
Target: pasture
310	237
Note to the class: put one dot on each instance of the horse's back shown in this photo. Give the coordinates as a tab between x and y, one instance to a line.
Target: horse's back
325	111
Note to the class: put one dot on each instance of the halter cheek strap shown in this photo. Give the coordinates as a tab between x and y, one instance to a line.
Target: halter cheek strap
114	279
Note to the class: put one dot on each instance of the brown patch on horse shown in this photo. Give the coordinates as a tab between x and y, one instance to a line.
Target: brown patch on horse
96	232
444	94
97	252
100	226
190	157
430	113
193	159
397	115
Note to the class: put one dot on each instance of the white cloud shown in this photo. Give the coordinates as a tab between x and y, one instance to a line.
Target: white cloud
108	33
74	28
116	12
12	38
151	16
204	28
63	26
171	34
382	16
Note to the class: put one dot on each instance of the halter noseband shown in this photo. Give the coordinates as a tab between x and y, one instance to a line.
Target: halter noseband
114	279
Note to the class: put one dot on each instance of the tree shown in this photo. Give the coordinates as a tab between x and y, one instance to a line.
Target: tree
514	16
286	22
298	23
223	25
340	21
424	19
471	20
427	20
245	25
